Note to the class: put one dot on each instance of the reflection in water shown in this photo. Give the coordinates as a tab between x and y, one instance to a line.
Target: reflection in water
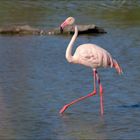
36	81
81	127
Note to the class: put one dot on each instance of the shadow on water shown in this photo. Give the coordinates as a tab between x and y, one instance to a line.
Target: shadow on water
134	106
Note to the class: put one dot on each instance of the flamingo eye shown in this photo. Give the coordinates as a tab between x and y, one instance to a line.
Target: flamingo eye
70	20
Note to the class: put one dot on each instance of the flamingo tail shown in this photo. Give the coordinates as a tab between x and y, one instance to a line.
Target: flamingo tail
117	67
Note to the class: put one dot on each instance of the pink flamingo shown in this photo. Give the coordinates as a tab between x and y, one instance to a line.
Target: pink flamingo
89	55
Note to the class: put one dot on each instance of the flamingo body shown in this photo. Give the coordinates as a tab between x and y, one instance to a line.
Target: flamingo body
92	56
89	55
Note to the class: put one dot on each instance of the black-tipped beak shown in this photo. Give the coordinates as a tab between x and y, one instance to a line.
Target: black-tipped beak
62	26
61	29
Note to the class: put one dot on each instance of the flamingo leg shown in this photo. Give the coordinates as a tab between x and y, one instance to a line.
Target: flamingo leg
101	94
82	98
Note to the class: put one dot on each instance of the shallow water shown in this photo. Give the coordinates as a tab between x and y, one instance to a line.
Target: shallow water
36	80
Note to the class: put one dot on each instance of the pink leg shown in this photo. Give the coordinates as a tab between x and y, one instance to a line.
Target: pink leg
101	94
82	98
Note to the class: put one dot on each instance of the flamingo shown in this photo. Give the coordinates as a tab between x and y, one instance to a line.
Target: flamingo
92	56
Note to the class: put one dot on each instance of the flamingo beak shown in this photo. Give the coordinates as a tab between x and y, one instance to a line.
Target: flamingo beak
61	29
62	26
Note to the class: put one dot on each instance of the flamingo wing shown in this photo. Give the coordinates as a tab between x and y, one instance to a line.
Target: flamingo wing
93	56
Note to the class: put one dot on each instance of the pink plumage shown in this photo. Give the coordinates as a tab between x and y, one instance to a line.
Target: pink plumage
89	55
93	56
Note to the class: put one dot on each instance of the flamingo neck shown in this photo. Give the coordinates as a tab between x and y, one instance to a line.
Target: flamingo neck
69	56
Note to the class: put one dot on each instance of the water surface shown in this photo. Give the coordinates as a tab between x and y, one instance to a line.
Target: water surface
36	80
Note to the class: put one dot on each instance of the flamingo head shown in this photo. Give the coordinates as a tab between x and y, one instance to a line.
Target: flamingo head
67	22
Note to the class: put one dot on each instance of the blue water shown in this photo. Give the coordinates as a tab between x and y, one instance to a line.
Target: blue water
36	80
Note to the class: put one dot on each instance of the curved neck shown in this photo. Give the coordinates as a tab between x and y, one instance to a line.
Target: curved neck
69	56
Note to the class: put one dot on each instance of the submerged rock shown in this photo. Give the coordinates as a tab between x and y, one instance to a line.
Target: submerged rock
24	29
28	30
82	29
